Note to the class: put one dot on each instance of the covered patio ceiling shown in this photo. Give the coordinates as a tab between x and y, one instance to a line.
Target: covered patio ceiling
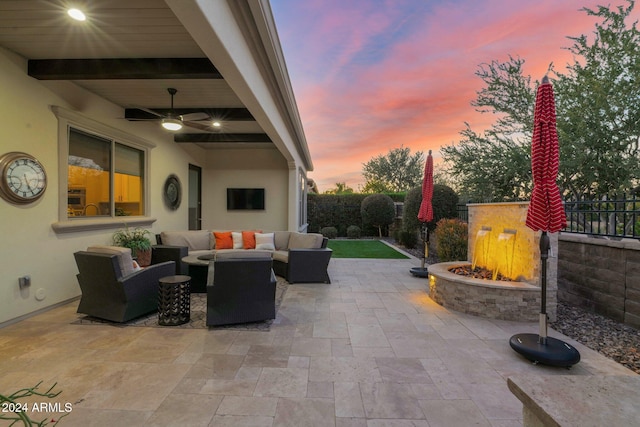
130	52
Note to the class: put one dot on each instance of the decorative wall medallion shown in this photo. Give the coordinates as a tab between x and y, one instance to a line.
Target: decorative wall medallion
24	179
172	192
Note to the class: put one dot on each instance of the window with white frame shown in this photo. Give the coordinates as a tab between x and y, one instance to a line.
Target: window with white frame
104	177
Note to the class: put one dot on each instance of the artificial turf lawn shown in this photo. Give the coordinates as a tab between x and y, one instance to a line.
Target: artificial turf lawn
363	249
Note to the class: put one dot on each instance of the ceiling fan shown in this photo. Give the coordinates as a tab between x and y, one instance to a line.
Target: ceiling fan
174	122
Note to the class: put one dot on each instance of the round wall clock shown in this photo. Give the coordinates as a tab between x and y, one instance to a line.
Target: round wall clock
23	178
172	192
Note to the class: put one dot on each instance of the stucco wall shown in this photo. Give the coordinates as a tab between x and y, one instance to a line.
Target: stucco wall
601	275
30	245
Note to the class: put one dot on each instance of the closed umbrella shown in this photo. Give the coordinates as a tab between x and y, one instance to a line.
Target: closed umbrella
425	214
545	214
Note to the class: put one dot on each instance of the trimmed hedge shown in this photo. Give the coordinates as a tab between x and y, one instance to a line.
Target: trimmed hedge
342	210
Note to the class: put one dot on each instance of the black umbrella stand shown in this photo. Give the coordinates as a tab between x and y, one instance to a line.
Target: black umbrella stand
423	271
539	348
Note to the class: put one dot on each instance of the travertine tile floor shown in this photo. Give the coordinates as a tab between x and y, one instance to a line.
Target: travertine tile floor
371	349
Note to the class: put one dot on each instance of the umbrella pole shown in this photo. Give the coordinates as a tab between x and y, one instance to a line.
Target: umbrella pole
539	348
422	271
544	255
425	240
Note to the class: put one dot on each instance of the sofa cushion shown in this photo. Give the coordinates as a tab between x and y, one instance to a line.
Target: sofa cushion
281	239
125	261
305	241
193	239
282	256
265	241
224	239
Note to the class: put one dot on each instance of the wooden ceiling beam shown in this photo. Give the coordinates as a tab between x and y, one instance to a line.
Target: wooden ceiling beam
227	114
122	68
221	137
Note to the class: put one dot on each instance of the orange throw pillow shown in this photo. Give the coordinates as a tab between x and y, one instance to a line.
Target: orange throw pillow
249	239
224	240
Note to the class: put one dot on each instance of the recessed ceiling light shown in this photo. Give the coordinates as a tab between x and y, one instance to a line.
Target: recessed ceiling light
216	124
77	14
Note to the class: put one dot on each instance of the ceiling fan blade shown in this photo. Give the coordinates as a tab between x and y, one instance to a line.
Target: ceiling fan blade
195	117
142	114
200	126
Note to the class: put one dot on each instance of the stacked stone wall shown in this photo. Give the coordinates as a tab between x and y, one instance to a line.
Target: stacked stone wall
600	275
524	255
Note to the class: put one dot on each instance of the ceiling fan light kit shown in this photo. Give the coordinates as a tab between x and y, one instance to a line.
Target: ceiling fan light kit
172	124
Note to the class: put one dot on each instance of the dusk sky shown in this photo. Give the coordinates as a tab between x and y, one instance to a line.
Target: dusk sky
373	75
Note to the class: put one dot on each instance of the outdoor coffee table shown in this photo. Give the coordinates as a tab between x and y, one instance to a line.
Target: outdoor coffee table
198	269
174	300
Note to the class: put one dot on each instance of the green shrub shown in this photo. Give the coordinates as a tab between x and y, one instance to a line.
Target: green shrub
329	232
378	210
408	238
451	240
354	232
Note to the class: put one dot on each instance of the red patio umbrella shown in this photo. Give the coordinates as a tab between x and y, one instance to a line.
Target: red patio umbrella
545	214
426	209
425	214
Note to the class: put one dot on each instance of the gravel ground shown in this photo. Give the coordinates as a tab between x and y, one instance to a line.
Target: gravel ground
612	339
615	340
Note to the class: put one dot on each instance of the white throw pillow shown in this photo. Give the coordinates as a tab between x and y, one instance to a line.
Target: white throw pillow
264	241
238	243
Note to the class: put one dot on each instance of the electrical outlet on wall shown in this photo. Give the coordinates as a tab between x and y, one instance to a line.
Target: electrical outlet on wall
24	281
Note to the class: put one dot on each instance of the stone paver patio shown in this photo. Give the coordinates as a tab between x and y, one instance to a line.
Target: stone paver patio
370	349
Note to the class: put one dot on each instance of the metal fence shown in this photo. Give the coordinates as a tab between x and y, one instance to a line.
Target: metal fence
463	212
611	216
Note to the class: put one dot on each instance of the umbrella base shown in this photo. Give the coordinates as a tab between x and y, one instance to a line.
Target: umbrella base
420	272
554	353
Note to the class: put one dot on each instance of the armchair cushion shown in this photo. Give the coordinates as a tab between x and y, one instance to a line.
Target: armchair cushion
125	260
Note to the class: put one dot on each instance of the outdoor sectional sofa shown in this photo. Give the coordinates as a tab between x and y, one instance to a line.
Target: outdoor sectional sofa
298	257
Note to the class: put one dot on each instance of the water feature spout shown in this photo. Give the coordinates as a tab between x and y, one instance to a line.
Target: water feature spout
482	237
506	244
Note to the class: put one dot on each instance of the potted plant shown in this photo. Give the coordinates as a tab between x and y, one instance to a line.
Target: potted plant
137	241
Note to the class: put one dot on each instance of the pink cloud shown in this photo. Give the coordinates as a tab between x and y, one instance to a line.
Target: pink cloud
362	89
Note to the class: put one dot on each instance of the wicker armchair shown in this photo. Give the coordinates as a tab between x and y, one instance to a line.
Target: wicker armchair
242	290
113	292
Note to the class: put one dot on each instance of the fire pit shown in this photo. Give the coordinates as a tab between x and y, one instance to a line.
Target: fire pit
495	299
478	273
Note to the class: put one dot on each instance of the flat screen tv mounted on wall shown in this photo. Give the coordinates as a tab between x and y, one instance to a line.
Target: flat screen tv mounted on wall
245	199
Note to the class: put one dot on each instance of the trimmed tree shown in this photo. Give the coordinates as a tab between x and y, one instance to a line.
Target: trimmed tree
444	203
378	210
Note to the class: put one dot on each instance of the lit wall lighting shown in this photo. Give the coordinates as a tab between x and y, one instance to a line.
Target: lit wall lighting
216	124
77	14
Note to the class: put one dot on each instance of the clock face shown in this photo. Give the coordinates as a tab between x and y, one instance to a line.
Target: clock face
23	178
